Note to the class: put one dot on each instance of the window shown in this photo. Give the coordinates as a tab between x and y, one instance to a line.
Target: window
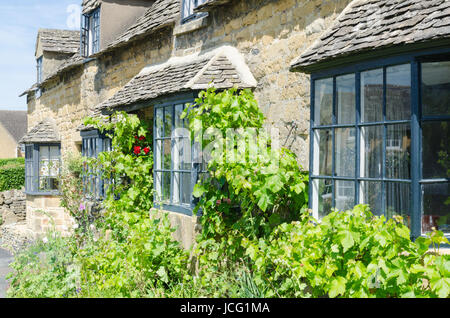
94	143
42	166
381	136
39	70
90	33
188	13
174	170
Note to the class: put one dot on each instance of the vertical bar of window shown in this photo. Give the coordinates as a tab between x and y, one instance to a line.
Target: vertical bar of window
357	133
415	151
333	138
313	146
383	154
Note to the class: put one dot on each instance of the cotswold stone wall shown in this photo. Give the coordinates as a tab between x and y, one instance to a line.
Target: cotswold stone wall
12	207
270	34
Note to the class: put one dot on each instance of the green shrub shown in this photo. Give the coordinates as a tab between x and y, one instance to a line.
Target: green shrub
349	254
12	174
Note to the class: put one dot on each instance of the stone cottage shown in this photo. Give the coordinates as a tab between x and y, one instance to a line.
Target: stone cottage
13	126
377	94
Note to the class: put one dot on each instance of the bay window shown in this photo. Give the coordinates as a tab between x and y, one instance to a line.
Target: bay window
381	136
90	33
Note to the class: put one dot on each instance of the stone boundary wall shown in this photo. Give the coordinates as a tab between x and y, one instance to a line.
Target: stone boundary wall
12	206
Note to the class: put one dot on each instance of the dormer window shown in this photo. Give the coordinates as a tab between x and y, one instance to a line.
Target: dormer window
39	70
90	33
188	13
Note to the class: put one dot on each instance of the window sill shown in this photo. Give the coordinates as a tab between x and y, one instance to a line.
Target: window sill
191	26
174	208
53	194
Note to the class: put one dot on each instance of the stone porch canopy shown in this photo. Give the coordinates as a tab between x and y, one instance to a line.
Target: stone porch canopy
59	41
44	132
370	28
222	68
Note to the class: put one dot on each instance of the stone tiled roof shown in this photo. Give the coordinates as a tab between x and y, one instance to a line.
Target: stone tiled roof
223	68
15	122
28	91
161	14
89	5
209	4
374	24
74	61
61	41
44	132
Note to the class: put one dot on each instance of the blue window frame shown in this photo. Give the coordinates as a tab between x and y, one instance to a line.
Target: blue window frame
42	167
187	12
90	33
175	172
93	143
380	135
39	70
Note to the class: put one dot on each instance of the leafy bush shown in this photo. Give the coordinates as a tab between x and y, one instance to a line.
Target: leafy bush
349	254
12	174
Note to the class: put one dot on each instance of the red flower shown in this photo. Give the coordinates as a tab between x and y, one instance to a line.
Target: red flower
135	137
219	202
137	150
141	138
146	150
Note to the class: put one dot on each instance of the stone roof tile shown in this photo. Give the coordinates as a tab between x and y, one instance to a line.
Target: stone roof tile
61	41
373	24
210	4
44	132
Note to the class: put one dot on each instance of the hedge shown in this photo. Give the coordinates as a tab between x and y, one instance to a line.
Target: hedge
12	174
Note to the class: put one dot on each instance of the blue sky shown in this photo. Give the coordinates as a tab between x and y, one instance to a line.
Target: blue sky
19	23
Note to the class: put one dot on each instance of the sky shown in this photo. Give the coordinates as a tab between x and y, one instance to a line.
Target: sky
19	24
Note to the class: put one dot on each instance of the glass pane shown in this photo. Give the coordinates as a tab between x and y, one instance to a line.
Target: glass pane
44	159
372	96
345	195
167	183
167	154
323	103
371	194
158	155
436	149
398	151
436	88
345	152
371	152
54	161
398	92
186	188
436	207
178	120
176	188
168	122
158	186
346	99
322	197
323	152
398	200
159	122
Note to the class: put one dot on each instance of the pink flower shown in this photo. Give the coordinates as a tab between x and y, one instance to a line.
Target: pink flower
82	207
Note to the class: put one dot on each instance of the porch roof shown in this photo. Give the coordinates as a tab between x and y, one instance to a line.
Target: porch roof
367	25
44	132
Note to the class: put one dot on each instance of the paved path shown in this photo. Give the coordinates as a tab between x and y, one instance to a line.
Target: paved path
5	259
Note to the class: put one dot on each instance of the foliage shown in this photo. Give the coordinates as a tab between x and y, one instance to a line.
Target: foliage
349	254
12	174
45	270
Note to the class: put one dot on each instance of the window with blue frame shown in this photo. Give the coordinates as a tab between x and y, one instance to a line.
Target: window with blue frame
380	135
175	171
187	12
42	167
39	70
93	143
90	33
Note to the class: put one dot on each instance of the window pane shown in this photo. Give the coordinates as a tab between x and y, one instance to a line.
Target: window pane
167	183
371	151
159	122
158	186
436	149
398	151
178	120
176	188
168	122
398	199
323	152
371	194
158	155
44	159
323	102
345	195
186	188
398	92
436	88
323	190
167	154
346	99
345	152
436	207
372	96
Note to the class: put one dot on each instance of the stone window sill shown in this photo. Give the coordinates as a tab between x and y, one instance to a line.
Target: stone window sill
191	26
